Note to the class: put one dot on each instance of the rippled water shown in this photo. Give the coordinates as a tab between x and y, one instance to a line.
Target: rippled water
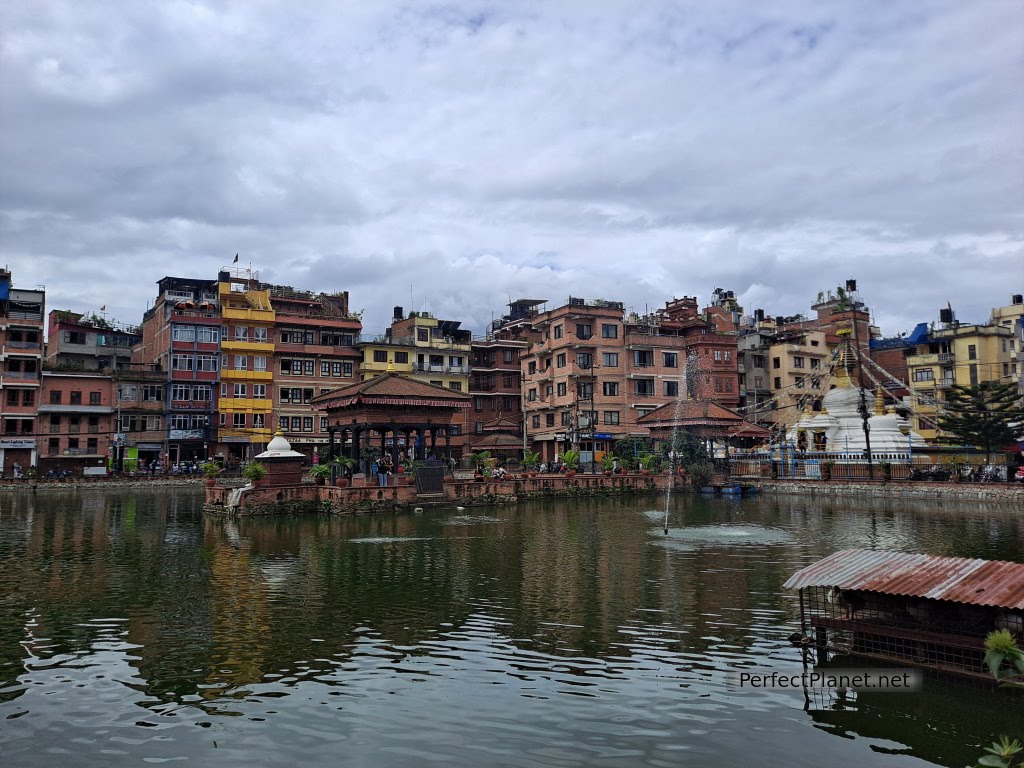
133	631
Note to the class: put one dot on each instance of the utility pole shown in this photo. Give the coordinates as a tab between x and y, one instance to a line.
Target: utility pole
860	382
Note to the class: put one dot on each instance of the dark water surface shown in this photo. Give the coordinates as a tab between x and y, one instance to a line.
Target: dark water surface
135	631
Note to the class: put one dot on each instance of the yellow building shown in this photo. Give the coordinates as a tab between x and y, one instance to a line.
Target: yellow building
960	355
247	354
421	346
1012	316
799	373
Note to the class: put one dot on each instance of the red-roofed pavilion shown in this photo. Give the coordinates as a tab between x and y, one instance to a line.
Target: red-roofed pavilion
393	411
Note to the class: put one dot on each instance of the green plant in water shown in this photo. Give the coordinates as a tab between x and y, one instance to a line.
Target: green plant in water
1001	753
1005	660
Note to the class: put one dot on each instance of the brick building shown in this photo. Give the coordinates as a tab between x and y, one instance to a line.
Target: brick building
21	358
77	421
88	342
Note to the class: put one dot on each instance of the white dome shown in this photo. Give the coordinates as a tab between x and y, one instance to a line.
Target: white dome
280	448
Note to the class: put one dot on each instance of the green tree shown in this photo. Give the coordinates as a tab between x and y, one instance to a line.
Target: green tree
981	415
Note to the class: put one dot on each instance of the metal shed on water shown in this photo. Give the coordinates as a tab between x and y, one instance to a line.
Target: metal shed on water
926	610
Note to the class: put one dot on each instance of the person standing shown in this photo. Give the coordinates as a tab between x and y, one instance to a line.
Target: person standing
384	466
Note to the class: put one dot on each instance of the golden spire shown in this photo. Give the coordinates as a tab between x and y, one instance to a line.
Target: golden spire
391	367
844	360
879	402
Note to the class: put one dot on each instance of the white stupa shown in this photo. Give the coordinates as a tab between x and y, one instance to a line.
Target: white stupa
840	427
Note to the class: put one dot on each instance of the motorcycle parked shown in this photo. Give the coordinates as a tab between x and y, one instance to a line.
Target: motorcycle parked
1018	476
934	473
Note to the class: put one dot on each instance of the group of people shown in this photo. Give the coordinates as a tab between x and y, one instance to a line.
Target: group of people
382	467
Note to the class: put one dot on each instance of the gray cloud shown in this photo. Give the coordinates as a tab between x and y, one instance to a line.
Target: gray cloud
479	152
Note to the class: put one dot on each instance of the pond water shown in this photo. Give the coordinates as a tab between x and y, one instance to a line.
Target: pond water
135	630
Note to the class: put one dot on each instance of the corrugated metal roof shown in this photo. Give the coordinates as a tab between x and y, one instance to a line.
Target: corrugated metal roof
958	579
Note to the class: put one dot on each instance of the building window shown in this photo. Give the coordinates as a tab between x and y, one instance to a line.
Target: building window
549	419
12	397
238	420
531	368
324	424
671	359
776	362
478	403
610	359
718	355
643	358
422	334
609	331
307	423
584	331
380	355
645	387
28	397
509	355
611	417
757	361
561	389
259	391
259	421
346	369
531	396
206	362
566	418
972	352
535	422
815	364
182	363
95	398
240	390
610	388
560	361
509	379
53	446
76	398
584	360
55	397
923	374
402	357
558	331
296	424
671	389
259	335
241	333
183	333
798	362
455	386
777	382
972	370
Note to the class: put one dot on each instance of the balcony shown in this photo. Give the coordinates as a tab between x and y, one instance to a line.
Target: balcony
451	370
932	359
945	383
232	374
249	314
25	376
244	345
946	357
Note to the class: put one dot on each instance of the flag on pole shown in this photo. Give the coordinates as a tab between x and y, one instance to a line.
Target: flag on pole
236	259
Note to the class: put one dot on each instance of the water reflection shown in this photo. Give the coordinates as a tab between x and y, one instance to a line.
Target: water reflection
541	634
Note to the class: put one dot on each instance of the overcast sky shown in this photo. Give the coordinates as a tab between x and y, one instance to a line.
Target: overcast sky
451	156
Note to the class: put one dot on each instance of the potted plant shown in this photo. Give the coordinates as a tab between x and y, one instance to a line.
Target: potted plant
571	460
480	461
345	466
211	471
530	462
607	464
254	472
647	462
320	473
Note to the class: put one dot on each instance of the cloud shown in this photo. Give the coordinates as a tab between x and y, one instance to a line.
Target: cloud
480	151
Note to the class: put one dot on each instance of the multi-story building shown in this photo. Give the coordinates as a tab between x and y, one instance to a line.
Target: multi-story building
244	397
139	411
314	351
496	380
800	373
592	374
710	345
955	354
76	414
88	342
181	336
21	357
425	349
755	380
1012	316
